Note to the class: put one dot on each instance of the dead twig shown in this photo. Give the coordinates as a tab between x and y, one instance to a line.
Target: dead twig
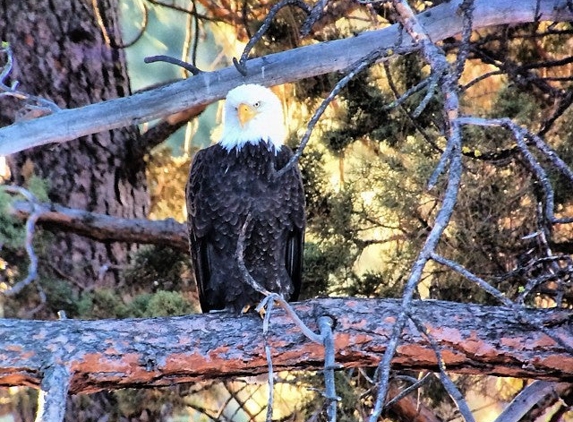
173	60
325	325
241	63
37	212
351	72
416	384
38	106
446	381
452	156
53	394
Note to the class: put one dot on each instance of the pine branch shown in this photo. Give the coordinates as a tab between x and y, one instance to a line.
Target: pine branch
106	354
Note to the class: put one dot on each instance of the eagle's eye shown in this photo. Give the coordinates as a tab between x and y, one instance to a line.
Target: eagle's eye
257	104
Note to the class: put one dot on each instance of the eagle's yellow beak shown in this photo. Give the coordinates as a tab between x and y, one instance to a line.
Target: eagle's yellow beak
246	112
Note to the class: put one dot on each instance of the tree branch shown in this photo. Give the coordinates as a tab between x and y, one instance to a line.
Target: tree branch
108	354
440	22
105	227
450	159
53	394
529	397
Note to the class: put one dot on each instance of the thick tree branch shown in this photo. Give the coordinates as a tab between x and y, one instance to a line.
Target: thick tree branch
105	227
440	22
107	354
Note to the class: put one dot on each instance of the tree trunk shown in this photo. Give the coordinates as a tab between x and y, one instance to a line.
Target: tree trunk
68	52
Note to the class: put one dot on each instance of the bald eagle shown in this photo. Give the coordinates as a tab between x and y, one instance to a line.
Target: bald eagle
235	179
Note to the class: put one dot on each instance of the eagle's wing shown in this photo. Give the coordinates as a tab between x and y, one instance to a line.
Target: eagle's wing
294	255
198	225
295	239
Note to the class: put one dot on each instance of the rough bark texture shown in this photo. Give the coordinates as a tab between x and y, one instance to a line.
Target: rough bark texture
65	51
111	354
107	228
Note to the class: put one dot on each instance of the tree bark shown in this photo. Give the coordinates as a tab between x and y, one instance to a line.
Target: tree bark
67	52
440	22
108	354
106	228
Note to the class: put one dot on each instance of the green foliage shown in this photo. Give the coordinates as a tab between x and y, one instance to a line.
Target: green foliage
106	303
60	296
161	303
363	101
157	267
39	187
322	265
148	281
12	230
372	284
102	303
519	105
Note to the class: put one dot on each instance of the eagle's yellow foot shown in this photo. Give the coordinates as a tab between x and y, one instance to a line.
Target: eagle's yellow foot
262	311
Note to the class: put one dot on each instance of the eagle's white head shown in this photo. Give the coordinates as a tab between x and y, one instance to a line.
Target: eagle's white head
252	114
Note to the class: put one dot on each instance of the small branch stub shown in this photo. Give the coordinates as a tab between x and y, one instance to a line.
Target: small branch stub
326	325
53	394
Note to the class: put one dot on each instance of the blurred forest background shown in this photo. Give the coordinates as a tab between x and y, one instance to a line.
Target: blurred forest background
365	172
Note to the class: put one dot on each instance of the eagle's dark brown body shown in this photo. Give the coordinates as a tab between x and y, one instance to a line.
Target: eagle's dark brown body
224	187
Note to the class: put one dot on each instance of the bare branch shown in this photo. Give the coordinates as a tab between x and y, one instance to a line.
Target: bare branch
271	381
522	138
440	22
439	66
326	324
308	333
36	213
314	15
355	69
240	257
447	382
467	10
416	384
31	101
104	227
173	60
407	407
530	396
53	394
241	63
